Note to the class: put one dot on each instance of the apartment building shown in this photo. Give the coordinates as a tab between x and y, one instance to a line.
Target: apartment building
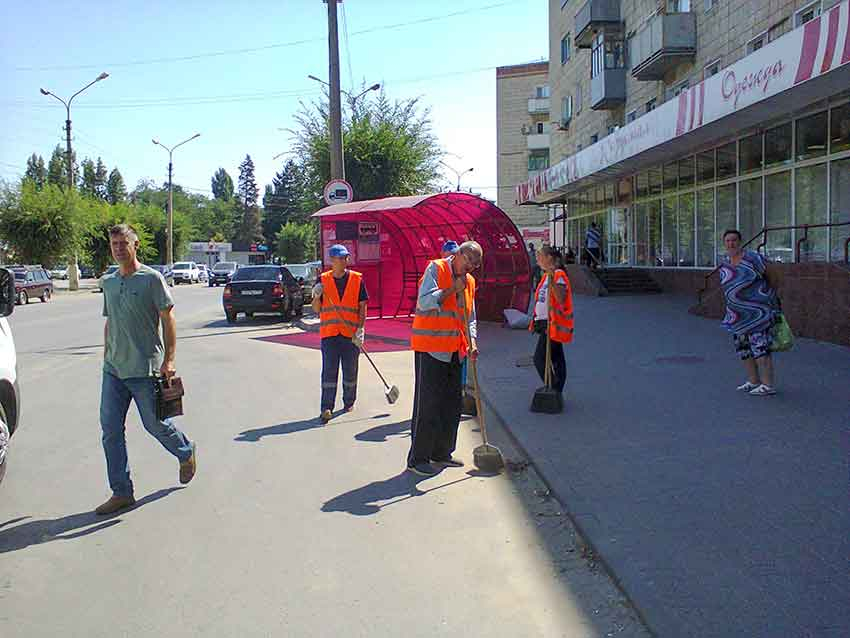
522	140
674	120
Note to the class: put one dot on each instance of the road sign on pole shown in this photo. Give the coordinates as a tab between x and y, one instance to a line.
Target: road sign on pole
338	191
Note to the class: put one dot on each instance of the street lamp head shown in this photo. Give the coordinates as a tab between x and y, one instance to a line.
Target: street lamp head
102	76
470	170
155	141
374	87
313	77
195	135
43	92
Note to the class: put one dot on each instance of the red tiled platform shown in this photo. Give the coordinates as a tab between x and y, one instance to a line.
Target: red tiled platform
382	335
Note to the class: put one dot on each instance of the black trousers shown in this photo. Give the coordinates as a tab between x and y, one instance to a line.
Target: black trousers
436	409
335	351
559	363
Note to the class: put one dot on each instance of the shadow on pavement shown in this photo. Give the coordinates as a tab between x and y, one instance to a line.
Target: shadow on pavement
381	433
256	434
364	501
45	530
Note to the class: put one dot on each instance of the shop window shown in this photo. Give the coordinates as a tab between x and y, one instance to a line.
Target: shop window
668	231
749	152
711	69
631	116
655	180
705	167
811	136
757	43
538	160
810	208
806	14
685	230
642	184
686	172
594	138
777	212
650	106
777	145
750	217
840	207
641	253
653	221
675	90
671	177
705	228
727	214
839	137
565	49
727	161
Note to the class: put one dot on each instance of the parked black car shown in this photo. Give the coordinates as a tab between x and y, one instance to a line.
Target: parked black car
222	272
262	289
166	273
30	282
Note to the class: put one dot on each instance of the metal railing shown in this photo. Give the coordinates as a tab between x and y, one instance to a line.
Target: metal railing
763	233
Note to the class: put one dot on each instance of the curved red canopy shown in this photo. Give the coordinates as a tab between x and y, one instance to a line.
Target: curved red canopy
392	240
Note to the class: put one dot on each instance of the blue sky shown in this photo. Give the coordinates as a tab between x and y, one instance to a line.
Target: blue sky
237	101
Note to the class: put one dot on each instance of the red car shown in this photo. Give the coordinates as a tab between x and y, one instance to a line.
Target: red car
30	282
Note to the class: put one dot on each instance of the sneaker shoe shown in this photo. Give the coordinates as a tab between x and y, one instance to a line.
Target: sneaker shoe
423	469
114	504
449	462
762	391
746	387
325	416
188	467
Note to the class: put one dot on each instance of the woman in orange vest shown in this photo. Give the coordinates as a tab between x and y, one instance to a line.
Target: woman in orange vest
553	315
441	343
340	300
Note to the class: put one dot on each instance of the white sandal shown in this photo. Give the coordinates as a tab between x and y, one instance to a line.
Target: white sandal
747	387
762	391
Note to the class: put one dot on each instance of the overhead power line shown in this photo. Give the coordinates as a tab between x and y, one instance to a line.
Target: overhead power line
268	47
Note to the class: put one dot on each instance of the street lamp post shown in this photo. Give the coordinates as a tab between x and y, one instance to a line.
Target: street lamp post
73	279
459	174
332	123
169	243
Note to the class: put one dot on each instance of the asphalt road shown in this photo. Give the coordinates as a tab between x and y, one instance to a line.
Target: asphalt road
289	528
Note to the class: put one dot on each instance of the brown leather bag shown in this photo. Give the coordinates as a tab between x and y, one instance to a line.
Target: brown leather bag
169	397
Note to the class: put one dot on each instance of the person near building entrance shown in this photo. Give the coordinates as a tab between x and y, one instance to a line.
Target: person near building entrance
135	301
340	300
441	343
593	243
751	309
553	316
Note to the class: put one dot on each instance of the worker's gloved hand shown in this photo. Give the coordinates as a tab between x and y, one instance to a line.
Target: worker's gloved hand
359	337
318	289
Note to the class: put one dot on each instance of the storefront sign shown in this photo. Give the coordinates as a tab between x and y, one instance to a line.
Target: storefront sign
820	46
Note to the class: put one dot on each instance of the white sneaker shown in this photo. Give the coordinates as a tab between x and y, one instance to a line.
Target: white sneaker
762	391
747	387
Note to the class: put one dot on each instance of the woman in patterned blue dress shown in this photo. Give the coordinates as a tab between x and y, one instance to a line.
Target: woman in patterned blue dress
751	309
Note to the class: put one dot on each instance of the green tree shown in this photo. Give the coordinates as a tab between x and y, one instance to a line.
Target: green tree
281	200
390	149
250	230
296	242
88	179
36	171
153	216
57	173
116	191
102	217
40	226
101	175
222	185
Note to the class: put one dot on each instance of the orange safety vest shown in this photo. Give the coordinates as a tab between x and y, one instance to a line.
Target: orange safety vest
340	316
560	315
441	329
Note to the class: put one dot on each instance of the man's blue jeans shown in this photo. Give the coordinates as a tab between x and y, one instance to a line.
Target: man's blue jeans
335	351
115	399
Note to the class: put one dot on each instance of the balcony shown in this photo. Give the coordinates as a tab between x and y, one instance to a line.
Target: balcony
663	43
608	89
595	16
538	105
538	141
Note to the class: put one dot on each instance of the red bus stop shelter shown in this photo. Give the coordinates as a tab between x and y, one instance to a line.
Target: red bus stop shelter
391	241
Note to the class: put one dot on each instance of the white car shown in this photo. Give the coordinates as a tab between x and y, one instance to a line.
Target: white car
61	272
10	395
203	273
185	272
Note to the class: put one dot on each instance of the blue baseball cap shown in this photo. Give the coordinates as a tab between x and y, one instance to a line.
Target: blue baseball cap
338	250
450	247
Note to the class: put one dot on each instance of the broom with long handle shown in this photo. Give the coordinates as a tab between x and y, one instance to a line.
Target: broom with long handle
487	458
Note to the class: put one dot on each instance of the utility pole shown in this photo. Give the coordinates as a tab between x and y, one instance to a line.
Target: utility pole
169	231
73	268
335	102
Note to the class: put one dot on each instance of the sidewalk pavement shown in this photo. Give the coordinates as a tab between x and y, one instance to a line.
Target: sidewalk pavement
720	514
